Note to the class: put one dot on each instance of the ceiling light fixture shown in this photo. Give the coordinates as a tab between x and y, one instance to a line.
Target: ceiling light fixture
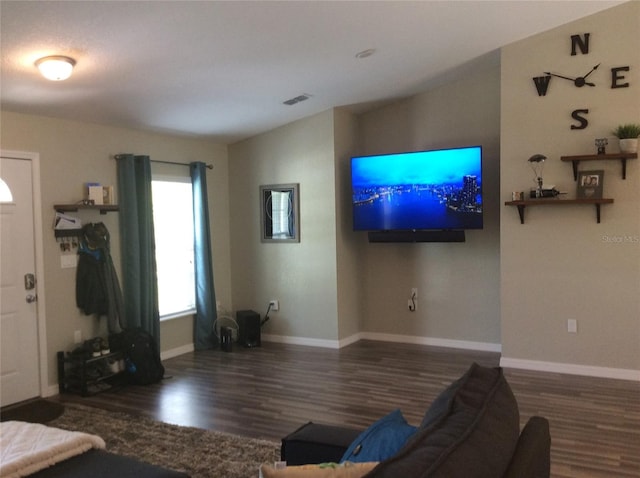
56	68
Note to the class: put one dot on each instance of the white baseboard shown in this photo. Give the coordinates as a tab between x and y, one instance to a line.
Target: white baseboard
572	369
326	343
433	341
506	362
405	339
352	339
286	339
184	349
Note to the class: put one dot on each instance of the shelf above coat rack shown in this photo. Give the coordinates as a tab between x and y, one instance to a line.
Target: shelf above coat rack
62	208
102	208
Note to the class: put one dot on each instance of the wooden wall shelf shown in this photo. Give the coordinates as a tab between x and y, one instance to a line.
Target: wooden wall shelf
521	205
622	157
102	208
62	208
67	232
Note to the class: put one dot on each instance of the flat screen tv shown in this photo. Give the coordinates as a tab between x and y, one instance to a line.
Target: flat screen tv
417	191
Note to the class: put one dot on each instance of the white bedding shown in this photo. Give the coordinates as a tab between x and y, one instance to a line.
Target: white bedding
29	447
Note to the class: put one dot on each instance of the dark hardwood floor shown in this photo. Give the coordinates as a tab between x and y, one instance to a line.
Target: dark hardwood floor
269	391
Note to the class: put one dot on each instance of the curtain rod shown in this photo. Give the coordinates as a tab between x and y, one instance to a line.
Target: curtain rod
209	166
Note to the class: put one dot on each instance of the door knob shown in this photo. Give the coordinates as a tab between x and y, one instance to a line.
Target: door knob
31	298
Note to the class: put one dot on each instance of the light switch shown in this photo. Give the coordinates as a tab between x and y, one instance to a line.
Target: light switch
67	261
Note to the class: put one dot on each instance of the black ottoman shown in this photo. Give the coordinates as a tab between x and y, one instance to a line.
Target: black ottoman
313	443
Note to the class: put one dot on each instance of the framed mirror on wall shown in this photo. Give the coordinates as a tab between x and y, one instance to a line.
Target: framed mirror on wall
280	213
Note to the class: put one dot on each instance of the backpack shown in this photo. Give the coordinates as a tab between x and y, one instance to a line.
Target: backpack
142	359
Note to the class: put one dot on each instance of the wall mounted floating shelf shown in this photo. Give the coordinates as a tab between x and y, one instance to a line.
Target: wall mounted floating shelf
622	157
67	232
102	208
521	205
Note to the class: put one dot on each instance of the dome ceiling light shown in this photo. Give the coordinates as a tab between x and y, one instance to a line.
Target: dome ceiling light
56	68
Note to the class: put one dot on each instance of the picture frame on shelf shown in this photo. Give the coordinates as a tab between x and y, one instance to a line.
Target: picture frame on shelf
108	196
590	184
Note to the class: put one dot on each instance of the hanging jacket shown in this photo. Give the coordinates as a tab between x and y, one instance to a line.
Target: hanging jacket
90	282
97	289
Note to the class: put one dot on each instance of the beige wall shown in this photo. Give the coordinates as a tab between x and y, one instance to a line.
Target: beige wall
334	284
317	281
73	153
458	283
348	244
302	276
561	264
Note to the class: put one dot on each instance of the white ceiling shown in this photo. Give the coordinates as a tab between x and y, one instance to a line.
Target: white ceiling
222	69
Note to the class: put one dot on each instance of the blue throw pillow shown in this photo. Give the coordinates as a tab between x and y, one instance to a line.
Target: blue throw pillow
381	440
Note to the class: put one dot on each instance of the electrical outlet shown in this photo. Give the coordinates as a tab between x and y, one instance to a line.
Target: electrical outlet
572	326
275	305
77	336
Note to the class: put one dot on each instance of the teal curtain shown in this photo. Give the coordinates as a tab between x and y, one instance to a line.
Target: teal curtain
204	336
137	242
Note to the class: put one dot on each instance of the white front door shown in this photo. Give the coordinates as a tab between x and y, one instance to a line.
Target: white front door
19	350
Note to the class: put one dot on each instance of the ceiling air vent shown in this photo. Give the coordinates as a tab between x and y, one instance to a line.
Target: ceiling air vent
297	99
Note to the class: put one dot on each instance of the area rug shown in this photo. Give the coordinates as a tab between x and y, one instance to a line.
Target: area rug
200	453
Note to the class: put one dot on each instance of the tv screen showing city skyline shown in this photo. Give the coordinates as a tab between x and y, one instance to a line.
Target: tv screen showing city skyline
437	189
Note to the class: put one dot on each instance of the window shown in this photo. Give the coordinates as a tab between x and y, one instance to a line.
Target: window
5	193
173	224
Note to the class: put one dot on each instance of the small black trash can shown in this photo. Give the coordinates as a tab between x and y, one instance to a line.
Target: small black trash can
226	339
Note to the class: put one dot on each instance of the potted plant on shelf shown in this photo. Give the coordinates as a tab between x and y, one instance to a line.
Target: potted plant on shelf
628	136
